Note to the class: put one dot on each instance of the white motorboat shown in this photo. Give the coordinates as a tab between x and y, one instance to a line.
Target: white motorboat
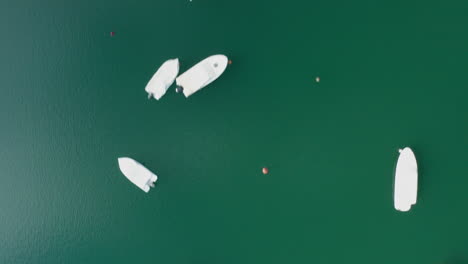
137	173
202	74
406	181
162	79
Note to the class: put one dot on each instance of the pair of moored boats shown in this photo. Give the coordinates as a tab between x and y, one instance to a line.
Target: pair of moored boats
406	178
191	81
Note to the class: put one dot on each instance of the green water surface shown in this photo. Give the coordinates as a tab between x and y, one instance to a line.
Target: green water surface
392	74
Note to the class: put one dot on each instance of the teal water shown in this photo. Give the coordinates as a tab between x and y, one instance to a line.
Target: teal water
392	74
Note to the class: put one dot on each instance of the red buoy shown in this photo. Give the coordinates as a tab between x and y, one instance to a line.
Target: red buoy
265	170
112	33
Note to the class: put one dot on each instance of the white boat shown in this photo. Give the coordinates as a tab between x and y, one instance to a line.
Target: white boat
137	173
162	79
202	74
406	181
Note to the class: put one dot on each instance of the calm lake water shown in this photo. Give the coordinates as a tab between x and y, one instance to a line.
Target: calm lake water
392	74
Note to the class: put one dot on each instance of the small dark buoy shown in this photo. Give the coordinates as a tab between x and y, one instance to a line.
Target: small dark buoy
179	89
265	170
229	62
112	33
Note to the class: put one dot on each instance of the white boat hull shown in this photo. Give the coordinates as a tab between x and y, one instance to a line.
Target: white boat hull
406	181
162	79
137	173
202	74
